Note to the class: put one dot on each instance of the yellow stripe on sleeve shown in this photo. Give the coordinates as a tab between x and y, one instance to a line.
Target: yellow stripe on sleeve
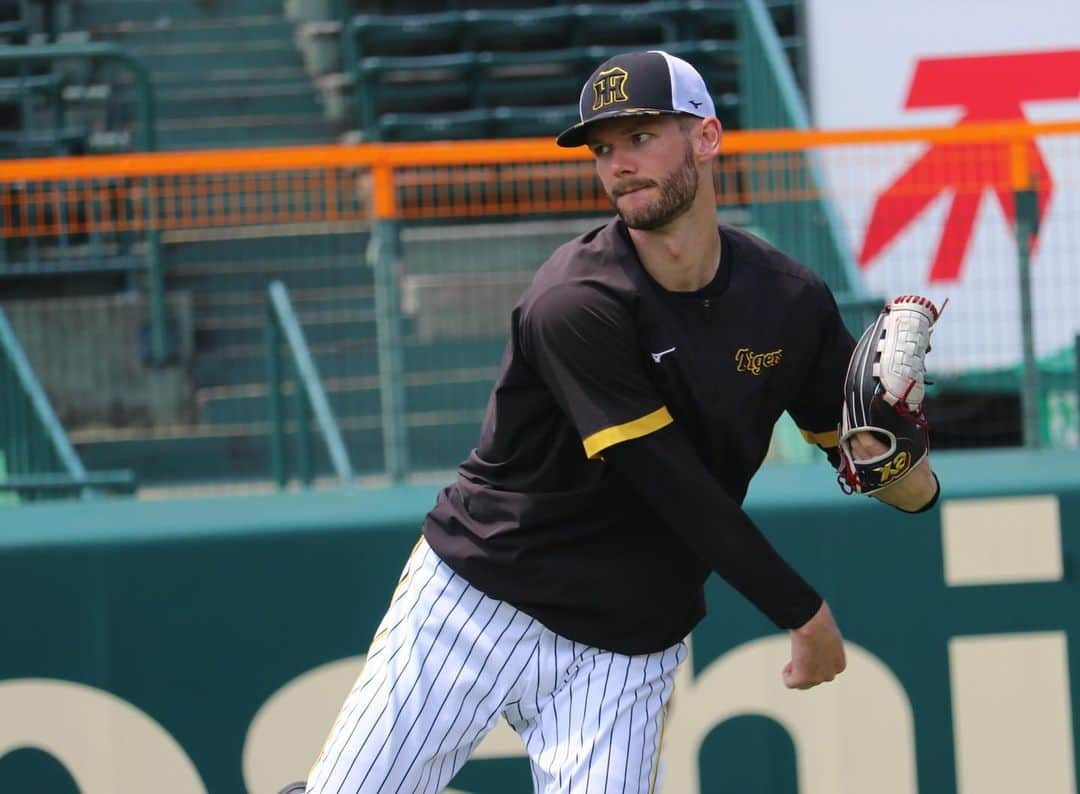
609	436
830	438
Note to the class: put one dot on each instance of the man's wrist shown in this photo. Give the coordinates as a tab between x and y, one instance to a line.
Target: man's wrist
802	615
931	502
913	492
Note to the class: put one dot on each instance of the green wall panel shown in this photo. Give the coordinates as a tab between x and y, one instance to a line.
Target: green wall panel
205	614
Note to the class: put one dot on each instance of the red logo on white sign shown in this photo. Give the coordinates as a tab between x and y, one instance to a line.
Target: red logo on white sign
989	88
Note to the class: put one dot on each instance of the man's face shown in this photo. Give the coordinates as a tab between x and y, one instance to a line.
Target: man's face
647	168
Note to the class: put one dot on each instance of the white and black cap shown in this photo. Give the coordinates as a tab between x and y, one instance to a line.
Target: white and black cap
639	84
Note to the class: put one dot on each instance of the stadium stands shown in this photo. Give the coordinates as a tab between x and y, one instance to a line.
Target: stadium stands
226	74
52	104
241	73
462	72
31	111
448	366
269	72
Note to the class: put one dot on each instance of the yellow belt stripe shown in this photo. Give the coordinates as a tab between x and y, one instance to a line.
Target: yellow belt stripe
830	438
609	436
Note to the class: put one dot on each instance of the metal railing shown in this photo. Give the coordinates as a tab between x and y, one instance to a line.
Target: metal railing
38	459
145	140
770	98
282	325
403	261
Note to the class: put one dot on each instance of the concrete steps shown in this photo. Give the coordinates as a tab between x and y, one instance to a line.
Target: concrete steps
106	14
245	365
170	30
222	454
319	327
227	73
296	274
241	99
448	391
267	249
242	132
447	381
201	74
252	54
246	304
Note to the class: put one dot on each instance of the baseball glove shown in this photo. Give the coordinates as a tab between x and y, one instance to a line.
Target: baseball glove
883	394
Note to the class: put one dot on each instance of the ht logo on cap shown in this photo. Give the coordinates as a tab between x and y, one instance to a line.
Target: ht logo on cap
609	88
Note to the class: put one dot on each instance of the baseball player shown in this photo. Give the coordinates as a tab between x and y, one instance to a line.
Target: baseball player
558	576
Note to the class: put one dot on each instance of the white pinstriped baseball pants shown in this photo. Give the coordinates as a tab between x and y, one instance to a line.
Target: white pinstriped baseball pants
448	660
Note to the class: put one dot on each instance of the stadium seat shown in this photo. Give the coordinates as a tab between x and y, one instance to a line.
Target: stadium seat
715	20
32	115
413	34
497	55
413	84
628	25
399	9
545	83
14	22
52	142
533	122
518	30
502	5
427	126
542	77
708	19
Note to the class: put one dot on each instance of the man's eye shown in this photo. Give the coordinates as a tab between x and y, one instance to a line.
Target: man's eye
600	149
641	137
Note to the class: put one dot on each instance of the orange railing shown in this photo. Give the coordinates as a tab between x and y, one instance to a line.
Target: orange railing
412	181
877	212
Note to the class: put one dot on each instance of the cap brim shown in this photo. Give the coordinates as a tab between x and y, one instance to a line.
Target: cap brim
577	135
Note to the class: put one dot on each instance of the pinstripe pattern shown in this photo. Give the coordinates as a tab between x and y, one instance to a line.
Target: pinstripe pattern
447	661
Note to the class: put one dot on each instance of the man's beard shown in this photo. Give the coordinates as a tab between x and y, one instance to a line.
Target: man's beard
677	193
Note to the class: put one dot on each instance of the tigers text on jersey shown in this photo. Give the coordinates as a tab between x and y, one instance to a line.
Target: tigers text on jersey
537	518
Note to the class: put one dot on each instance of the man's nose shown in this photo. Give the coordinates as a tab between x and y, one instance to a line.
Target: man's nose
622	163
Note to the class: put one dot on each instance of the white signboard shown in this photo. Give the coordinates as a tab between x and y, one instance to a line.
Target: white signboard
944	63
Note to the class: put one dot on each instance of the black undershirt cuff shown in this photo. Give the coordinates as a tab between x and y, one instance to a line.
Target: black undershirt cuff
933	499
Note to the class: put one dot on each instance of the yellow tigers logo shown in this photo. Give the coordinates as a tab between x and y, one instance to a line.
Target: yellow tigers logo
610	88
749	361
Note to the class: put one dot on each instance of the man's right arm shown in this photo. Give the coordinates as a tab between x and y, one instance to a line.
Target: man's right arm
665	470
581	340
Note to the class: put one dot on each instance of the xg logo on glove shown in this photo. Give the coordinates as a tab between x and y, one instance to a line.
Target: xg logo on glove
894	467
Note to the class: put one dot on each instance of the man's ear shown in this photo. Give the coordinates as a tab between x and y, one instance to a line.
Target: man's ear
709	138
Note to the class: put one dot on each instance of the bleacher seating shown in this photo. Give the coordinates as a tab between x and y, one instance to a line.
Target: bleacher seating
31	107
240	72
226	74
466	72
37	119
14	22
